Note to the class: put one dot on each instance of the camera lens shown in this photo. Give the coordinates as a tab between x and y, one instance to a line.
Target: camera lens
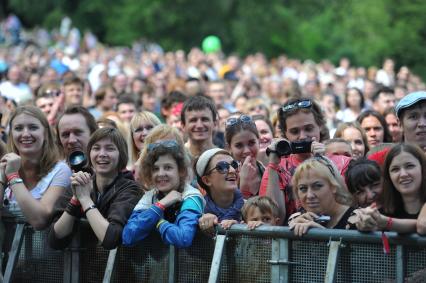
77	160
283	148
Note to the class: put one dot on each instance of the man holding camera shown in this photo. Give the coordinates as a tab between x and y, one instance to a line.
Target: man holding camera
301	122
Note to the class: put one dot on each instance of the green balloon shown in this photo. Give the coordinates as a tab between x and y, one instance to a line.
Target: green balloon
211	44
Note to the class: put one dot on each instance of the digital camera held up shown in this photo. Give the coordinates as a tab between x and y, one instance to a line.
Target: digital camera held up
285	148
78	162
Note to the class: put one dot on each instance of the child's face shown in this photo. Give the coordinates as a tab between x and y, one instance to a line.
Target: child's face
254	214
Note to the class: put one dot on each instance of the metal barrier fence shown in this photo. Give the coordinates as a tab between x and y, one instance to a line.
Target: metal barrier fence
267	254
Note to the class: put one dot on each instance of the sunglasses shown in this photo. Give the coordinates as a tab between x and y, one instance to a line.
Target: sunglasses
306	103
170	144
242	119
325	162
223	167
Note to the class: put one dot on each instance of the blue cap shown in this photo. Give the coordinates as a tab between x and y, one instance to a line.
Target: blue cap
409	100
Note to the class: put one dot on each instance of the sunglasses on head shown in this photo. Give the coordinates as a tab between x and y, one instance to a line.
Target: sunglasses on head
321	159
166	143
242	119
223	167
306	103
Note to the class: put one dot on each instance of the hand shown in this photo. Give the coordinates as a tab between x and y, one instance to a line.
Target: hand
171	198
13	163
226	224
302	218
248	176
81	185
207	223
317	147
364	220
302	228
3	178
251	225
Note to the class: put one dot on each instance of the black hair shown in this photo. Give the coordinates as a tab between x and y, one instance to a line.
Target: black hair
362	172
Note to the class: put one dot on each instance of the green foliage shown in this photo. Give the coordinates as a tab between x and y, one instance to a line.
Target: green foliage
365	31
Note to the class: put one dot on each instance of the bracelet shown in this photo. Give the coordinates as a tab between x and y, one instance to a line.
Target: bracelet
275	167
75	202
160	206
89	208
73	210
160	222
12	176
15	181
389	223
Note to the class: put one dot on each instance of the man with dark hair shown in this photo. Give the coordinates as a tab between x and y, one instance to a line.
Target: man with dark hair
199	118
126	108
73	130
383	99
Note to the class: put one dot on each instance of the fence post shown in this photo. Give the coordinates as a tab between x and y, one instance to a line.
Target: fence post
172	264
110	266
333	255
280	257
400	264
217	258
14	252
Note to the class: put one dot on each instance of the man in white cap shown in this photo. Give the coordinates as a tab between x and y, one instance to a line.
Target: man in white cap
411	112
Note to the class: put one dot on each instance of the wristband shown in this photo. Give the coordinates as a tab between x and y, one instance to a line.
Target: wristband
15	181
389	223
160	206
275	167
89	208
12	176
160	222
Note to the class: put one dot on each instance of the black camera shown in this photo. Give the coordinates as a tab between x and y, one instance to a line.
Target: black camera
78	161
285	148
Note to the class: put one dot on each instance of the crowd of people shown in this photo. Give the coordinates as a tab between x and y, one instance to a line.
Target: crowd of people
144	141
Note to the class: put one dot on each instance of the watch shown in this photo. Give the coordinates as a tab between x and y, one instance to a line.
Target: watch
89	208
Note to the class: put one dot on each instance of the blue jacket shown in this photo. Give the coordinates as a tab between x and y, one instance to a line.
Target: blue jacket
180	233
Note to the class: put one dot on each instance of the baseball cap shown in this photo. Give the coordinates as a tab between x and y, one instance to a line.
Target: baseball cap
409	100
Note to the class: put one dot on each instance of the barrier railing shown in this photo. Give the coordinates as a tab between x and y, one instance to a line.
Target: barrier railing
267	254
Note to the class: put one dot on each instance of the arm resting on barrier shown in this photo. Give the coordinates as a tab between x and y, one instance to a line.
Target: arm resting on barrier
182	232
140	225
421	221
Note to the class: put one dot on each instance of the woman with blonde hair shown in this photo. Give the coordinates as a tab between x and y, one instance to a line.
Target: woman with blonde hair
140	126
322	193
353	133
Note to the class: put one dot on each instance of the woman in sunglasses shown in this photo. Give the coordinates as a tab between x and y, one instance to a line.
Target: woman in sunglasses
106	198
323	195
171	206
217	173
242	138
301	121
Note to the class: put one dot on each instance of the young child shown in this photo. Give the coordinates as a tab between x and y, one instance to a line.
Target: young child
171	206
260	210
338	146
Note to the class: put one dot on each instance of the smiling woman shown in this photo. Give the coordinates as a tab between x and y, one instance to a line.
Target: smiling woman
31	175
106	198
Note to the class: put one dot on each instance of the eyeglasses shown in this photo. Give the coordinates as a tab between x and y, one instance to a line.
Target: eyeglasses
223	167
326	162
52	92
242	119
306	103
166	143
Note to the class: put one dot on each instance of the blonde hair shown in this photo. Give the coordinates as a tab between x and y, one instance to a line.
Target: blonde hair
326	169
264	203
138	118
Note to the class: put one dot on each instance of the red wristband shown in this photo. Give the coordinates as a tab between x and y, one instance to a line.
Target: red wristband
160	206
75	202
12	176
389	223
